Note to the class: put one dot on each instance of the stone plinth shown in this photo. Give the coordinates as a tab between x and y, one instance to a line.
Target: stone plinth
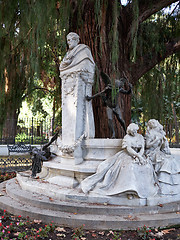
63	171
60	181
67	212
101	149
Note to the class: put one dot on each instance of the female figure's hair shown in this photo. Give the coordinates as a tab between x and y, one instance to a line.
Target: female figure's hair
132	127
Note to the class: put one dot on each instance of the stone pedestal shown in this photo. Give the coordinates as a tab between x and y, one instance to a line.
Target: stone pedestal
77	75
60	180
63	170
77	115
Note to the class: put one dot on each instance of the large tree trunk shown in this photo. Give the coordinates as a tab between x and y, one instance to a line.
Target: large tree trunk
13	88
114	34
102	52
10	126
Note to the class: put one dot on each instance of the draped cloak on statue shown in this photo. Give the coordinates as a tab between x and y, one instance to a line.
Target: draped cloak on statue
77	74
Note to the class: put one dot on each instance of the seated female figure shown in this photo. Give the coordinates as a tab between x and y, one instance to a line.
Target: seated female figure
125	172
166	166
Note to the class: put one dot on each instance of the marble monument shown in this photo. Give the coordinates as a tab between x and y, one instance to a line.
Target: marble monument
133	171
77	74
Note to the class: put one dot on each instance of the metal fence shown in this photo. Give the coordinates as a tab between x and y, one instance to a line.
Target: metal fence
29	131
37	131
172	133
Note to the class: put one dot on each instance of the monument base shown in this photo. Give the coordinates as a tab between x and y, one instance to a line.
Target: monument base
52	189
63	169
61	177
72	212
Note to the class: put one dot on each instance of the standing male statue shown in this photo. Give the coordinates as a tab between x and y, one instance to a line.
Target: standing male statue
77	74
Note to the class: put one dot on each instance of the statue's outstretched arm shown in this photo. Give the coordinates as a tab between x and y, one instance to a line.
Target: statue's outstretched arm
98	94
55	136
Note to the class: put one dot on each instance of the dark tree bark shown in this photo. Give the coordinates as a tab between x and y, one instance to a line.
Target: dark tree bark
99	35
10	127
98	39
15	85
148	61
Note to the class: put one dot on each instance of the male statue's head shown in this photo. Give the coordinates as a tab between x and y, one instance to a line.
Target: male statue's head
72	40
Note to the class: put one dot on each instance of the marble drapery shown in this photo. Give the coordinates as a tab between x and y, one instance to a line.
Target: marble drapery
77	74
125	172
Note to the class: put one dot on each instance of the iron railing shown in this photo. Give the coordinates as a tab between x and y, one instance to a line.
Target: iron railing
28	131
37	131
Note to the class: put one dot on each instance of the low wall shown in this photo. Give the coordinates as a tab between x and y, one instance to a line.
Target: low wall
4	150
175	152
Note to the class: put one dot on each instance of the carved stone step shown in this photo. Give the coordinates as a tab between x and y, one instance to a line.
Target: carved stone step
35	199
94	216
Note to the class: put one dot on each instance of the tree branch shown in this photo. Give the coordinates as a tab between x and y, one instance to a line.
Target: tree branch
147	62
22	40
148	8
178	4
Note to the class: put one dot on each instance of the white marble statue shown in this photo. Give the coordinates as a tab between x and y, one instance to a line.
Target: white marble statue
77	74
166	166
125	172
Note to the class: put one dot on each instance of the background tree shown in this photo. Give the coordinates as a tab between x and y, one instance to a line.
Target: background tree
126	41
28	40
156	95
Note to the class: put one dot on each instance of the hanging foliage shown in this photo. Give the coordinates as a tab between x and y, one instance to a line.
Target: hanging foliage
126	41
29	33
156	91
159	88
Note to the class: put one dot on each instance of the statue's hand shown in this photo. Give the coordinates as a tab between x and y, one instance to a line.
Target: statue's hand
88	98
109	86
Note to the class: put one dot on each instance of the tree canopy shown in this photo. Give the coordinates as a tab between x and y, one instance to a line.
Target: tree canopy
126	41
